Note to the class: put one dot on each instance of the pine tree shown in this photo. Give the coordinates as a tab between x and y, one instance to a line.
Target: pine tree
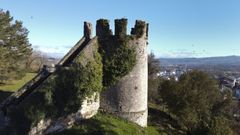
15	48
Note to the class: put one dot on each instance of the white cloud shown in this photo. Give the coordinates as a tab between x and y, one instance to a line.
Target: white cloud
53	51
59	49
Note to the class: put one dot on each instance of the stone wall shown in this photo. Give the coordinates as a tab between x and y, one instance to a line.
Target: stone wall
89	106
89	54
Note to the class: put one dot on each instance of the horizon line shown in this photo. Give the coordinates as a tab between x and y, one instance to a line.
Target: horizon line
217	56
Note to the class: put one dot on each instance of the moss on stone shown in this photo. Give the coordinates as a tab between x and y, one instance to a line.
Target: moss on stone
138	30
103	28
103	22
35	108
121	27
77	82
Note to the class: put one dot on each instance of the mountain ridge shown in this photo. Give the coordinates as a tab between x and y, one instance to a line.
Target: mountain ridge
216	60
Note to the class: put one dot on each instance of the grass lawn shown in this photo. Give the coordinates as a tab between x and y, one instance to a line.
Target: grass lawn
105	124
16	84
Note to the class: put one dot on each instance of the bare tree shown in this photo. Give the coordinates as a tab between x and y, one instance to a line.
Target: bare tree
36	61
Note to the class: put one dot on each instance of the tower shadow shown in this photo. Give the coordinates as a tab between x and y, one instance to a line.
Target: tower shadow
4	95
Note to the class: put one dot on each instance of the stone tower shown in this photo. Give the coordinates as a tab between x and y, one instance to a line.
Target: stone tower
128	97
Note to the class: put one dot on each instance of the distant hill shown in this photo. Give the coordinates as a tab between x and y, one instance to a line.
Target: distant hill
224	60
55	55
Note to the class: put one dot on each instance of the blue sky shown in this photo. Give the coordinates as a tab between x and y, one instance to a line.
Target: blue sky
178	28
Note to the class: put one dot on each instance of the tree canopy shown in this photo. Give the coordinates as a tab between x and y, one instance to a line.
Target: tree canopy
197	103
153	79
15	48
153	65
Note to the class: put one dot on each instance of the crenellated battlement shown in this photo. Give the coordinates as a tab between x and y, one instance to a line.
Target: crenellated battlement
139	30
103	28
87	30
121	27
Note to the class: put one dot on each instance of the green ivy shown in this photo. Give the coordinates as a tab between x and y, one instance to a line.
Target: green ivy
36	107
60	94
118	59
138	29
74	84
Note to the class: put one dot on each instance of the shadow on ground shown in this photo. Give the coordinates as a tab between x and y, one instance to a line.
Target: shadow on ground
4	95
89	127
163	121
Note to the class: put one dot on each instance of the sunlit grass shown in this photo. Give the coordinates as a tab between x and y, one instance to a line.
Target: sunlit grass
105	124
16	84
